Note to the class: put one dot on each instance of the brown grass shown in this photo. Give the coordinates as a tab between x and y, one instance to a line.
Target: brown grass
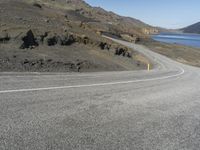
184	54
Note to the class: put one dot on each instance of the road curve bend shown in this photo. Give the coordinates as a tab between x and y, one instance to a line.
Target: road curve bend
159	109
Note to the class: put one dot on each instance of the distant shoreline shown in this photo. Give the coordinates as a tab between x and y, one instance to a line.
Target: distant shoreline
181	53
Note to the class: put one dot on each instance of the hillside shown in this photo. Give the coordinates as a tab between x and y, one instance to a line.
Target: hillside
97	18
60	35
195	28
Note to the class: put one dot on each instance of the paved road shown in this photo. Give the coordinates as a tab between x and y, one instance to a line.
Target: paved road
159	109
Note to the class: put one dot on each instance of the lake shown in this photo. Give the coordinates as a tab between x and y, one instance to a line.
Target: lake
183	39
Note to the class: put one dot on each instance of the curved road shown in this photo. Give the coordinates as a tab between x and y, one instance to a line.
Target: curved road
159	109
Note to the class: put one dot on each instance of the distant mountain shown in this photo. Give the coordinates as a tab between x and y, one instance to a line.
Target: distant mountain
195	28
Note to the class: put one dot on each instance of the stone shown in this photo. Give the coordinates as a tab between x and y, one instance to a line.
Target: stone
67	39
104	45
51	41
37	5
63	40
4	37
29	40
120	51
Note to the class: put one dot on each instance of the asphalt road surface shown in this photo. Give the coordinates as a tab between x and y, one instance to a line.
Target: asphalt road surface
157	110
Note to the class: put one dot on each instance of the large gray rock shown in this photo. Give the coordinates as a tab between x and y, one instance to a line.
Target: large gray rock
54	39
29	40
122	52
51	40
104	45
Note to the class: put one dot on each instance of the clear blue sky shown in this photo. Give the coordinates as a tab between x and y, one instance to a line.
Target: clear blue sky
163	13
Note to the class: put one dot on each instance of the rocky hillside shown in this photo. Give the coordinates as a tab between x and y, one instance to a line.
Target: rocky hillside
99	19
195	28
65	35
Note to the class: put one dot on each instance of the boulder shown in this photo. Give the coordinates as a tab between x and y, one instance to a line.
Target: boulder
47	20
66	16
51	39
37	5
40	37
122	52
64	40
82	39
104	45
4	37
67	39
85	39
29	40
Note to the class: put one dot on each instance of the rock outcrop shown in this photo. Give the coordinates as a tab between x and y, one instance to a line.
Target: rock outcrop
104	45
4	37
122	52
37	5
29	40
54	39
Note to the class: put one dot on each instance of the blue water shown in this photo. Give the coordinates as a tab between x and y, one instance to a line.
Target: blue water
183	39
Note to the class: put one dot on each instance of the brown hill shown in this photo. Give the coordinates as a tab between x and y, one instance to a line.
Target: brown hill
60	35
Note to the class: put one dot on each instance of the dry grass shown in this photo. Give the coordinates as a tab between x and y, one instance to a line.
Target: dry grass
184	54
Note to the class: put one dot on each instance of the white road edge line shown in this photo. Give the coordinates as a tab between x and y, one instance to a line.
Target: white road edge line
92	85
